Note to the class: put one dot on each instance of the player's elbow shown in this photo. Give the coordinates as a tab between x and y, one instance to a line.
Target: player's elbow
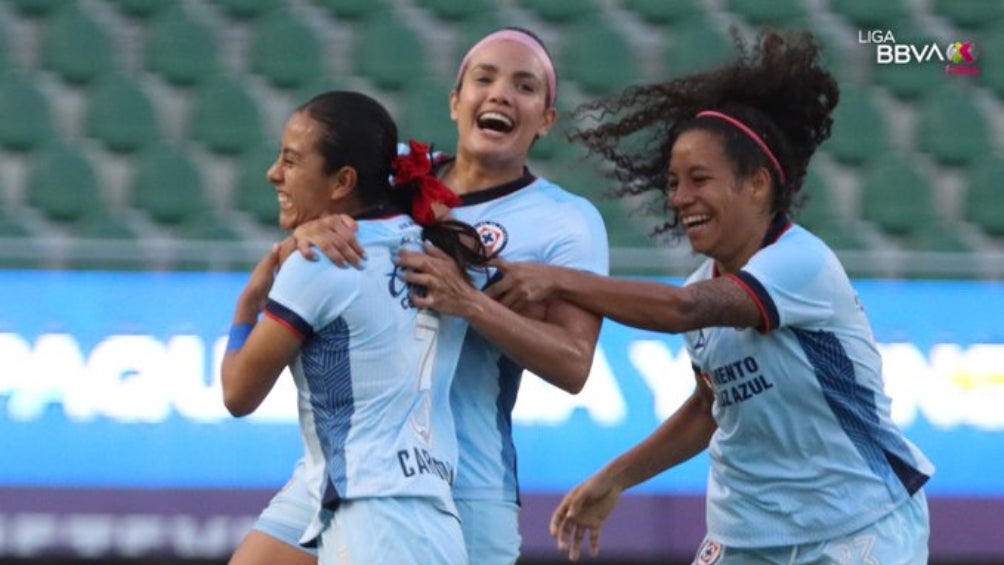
236	399
238	405
577	371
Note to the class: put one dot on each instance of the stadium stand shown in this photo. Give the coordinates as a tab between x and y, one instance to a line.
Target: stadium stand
226	119
25	117
859	133
75	47
167	187
180	50
659	13
182	101
351	10
285	51
597	57
951	128
984	196
378	51
121	115
453	11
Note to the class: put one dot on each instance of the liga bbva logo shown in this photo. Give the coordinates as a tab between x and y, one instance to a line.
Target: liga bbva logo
960	56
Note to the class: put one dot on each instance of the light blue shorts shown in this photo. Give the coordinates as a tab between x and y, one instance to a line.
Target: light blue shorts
288	514
390	531
491	531
900	538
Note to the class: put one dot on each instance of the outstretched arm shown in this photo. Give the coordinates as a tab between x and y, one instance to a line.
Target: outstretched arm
584	510
556	344
651	305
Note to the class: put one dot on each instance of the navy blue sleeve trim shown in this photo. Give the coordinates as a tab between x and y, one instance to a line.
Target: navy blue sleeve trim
771	318
288	318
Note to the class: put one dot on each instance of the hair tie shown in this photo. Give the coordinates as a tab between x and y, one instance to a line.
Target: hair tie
415	168
749	133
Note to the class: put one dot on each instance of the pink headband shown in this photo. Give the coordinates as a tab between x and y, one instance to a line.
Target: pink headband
524	39
751	134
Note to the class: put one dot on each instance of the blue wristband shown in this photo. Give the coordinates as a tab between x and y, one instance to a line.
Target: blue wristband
238	335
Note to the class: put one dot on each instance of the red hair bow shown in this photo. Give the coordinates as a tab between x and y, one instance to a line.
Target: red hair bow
416	167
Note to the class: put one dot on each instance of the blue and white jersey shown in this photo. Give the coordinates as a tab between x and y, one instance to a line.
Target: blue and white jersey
530	219
805	448
373	375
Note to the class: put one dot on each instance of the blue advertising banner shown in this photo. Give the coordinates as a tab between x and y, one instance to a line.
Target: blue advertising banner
111	380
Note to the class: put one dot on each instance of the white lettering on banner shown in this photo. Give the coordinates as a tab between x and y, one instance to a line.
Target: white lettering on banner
142	379
129	535
542	404
669	377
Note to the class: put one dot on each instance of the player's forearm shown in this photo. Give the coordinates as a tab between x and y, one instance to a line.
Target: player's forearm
641	304
546	349
682	436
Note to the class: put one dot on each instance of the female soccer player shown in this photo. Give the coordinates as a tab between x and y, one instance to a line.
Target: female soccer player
806	464
503	100
373	383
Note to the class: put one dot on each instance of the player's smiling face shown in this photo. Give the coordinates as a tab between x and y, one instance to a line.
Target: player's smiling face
724	216
304	190
501	104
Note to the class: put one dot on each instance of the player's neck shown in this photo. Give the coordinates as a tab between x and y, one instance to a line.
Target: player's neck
469	175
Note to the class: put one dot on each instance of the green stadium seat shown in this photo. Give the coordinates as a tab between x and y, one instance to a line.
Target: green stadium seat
859	133
285	51
554	146
908	81
427	115
661	12
454	11
180	50
356	10
62	185
767	12
680	55
390	54
984	195
225	118
247	9
598	58
25	120
167	186
939	237
75	47
121	115
5	59
820	215
992	67
471	32
951	128
559	11
140	9
210	227
869	14
896	197
36	8
970	14
253	194
10	227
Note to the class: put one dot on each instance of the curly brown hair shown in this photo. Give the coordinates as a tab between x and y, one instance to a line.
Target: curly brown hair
776	87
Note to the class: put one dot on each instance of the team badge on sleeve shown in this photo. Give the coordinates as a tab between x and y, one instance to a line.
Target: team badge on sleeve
493	235
709	553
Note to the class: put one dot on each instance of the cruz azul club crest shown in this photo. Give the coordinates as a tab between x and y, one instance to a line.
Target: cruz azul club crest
493	235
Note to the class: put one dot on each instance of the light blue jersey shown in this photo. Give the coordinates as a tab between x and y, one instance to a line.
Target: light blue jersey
530	219
805	449
373	376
